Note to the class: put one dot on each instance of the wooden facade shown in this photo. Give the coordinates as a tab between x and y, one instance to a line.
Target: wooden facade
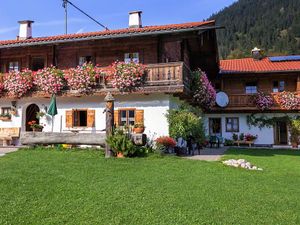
168	58
234	85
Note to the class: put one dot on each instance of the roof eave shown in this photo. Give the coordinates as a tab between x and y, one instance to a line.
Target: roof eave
110	36
256	72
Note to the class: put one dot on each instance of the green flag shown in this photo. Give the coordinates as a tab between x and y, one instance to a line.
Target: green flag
52	111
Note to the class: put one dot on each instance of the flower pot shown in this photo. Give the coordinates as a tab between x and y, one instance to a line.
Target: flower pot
5	118
139	130
294	145
37	129
120	155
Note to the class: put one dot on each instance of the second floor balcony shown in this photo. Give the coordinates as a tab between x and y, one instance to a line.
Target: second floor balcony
170	78
245	102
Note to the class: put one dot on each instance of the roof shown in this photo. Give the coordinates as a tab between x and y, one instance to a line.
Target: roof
147	30
249	65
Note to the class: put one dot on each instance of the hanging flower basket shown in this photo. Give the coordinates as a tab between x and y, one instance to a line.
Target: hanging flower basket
204	94
17	84
82	79
263	101
50	80
288	100
127	77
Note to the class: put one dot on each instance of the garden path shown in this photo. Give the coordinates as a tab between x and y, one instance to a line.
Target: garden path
5	150
209	154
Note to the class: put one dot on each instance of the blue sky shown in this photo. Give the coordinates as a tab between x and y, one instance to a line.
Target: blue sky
49	14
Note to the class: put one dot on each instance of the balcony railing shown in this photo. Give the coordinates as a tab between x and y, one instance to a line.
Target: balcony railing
171	77
162	74
245	102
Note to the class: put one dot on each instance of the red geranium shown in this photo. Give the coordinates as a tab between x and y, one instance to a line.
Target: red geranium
166	141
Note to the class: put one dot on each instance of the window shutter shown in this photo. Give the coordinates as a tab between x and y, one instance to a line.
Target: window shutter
116	118
69	118
139	116
91	118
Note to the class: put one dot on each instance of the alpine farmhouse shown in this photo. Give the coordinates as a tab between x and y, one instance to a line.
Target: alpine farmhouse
169	53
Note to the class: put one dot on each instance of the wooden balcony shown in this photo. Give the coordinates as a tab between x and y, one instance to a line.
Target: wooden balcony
244	102
160	78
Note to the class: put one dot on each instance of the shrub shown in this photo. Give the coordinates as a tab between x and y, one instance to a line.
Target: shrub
295	131
127	77
17	84
49	80
228	142
120	142
166	141
263	101
204	92
82	78
184	123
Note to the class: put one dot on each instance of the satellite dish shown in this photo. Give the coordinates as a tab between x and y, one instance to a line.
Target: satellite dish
222	99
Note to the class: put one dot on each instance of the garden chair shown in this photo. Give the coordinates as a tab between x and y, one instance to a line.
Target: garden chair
214	140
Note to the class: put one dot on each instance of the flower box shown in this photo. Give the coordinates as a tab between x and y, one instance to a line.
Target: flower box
5	118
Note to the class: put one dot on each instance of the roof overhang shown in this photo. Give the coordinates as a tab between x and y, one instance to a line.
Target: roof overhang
109	36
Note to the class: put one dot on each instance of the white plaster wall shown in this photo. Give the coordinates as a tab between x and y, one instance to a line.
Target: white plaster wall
155	107
265	135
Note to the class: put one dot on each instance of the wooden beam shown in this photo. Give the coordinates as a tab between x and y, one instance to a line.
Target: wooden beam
43	138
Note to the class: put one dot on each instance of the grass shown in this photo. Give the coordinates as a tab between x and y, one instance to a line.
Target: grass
81	187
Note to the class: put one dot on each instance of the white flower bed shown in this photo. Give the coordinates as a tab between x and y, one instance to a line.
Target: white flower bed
242	163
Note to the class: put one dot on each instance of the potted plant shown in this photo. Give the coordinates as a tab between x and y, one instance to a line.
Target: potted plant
295	133
35	126
139	128
242	137
40	115
5	117
250	137
235	137
121	144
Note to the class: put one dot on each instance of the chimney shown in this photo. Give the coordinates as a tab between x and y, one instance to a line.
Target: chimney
135	19
25	29
257	54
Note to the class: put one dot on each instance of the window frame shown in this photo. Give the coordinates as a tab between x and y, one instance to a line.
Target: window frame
251	86
232	130
8	109
278	88
127	116
14	67
85	59
132	59
210	128
74	112
38	57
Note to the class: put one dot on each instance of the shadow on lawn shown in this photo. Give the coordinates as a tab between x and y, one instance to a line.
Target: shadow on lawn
261	152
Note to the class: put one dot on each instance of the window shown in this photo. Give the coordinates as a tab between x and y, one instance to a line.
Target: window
215	126
232	124
251	88
5	111
127	117
278	86
132	57
13	66
80	118
84	59
37	63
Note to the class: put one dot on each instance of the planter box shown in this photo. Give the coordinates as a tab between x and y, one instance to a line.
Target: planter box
4	118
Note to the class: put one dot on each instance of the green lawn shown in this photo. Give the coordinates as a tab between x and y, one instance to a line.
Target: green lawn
56	187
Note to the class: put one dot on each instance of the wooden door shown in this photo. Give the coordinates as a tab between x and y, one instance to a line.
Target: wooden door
281	133
31	115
